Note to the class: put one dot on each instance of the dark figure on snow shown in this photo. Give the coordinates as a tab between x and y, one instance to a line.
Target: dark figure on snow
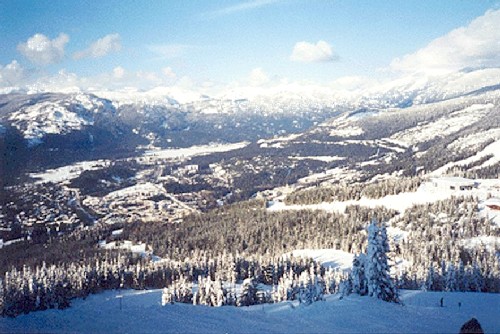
441	302
471	326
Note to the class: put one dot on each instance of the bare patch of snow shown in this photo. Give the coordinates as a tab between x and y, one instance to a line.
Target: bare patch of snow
328	257
69	172
320	158
183	153
347	131
426	193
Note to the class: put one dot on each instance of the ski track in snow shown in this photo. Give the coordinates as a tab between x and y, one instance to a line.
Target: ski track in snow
142	313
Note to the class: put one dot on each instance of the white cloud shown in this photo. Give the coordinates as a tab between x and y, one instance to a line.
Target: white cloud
310	52
475	45
258	77
11	74
101	47
168	72
240	7
41	50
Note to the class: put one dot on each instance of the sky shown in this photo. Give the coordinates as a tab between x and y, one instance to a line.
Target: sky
114	44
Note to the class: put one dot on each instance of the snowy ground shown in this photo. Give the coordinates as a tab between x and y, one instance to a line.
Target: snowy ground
141	312
328	257
426	193
182	153
69	172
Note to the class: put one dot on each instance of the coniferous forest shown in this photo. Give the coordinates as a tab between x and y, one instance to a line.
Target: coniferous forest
242	245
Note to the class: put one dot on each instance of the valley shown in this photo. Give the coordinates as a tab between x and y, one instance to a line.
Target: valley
257	200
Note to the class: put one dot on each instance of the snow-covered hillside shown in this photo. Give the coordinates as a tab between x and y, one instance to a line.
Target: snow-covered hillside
57	115
141	312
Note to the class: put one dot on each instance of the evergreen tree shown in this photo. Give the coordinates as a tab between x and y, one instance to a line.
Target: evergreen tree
379	282
2	296
248	293
430	281
451	278
359	282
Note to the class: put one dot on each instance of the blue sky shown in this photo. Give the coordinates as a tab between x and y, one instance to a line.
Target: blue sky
221	42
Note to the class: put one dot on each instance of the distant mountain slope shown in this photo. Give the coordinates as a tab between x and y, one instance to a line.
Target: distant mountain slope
407	124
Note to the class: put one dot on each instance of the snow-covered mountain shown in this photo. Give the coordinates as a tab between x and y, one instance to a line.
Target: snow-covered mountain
38	114
414	112
42	115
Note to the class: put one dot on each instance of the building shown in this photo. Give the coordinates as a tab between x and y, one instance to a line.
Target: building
454	183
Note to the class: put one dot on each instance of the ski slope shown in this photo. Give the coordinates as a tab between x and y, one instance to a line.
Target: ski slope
141	312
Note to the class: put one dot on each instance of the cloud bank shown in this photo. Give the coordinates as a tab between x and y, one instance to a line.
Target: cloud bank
476	45
41	50
313	53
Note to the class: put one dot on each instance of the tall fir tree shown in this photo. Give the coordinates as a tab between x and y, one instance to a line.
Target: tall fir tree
380	284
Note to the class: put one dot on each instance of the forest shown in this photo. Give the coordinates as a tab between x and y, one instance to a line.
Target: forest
244	242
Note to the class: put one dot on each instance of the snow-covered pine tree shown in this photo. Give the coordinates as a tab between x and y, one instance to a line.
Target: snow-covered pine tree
377	271
219	292
167	297
2	296
359	282
451	278
248	293
305	288
477	280
330	282
345	286
430	280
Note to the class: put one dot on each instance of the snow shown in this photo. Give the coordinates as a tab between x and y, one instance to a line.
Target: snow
490	242
47	117
277	142
492	149
181	153
69	172
137	190
426	193
324	158
117	232
400	202
10	242
332	175
66	172
141	312
397	234
473	141
328	257
348	131
56	117
444	126
159	95
126	245
279	139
